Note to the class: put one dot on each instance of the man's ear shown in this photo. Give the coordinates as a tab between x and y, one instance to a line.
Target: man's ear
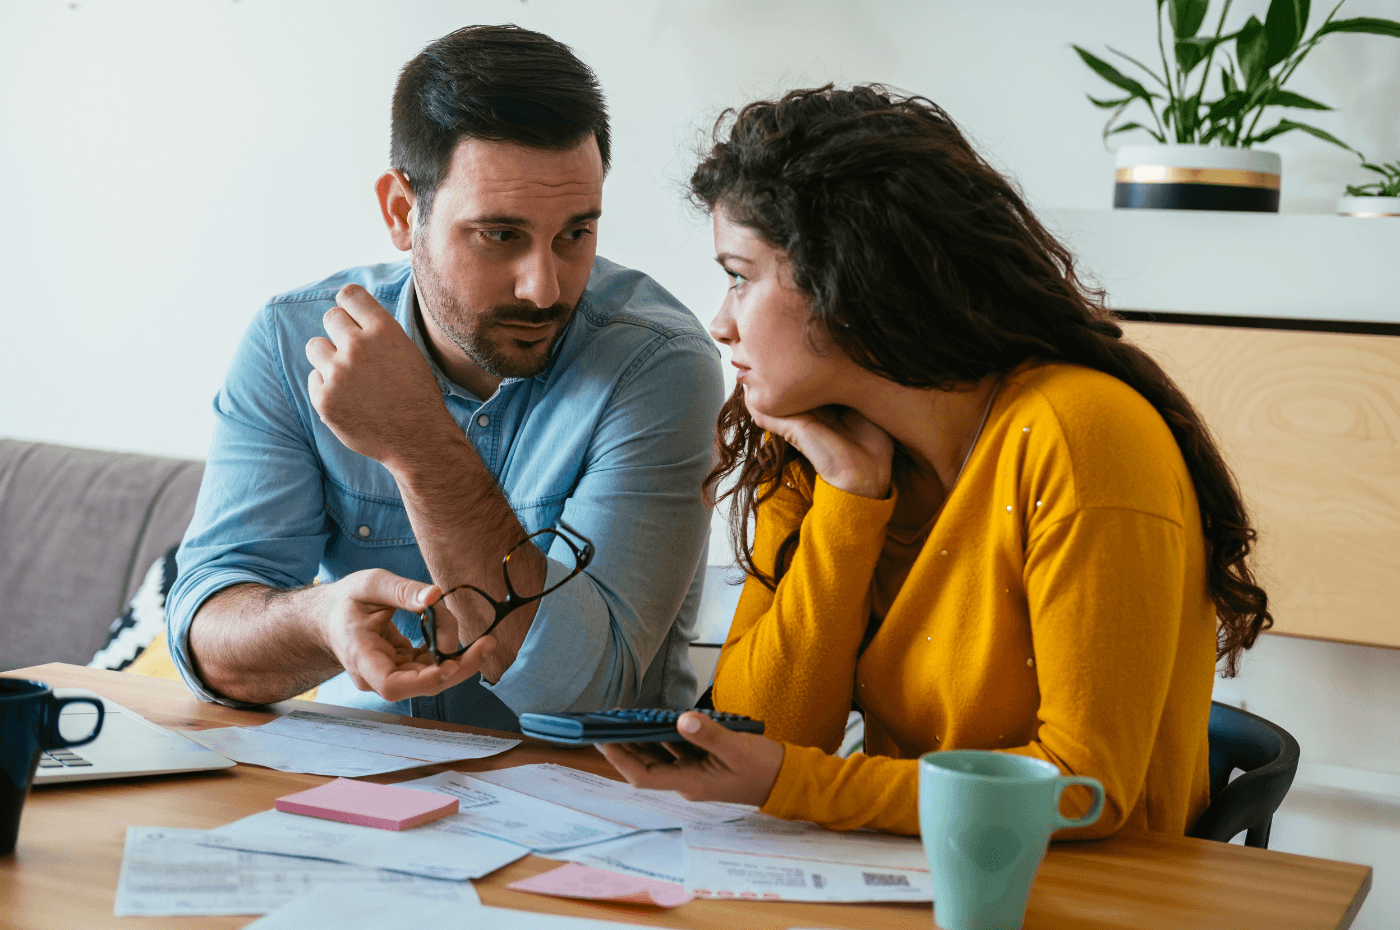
396	202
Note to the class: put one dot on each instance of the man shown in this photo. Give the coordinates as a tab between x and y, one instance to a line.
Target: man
401	424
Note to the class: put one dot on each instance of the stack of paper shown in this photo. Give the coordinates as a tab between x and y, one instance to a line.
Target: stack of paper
168	872
322	744
764	858
667	846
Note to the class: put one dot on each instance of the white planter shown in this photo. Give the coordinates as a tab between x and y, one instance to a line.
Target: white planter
1369	206
1196	177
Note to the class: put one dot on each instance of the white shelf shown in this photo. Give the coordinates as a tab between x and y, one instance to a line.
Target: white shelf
1273	265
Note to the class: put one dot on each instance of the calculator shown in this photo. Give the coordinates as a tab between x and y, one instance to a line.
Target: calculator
636	725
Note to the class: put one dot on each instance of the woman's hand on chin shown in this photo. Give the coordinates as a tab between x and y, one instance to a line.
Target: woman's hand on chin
737	768
846	449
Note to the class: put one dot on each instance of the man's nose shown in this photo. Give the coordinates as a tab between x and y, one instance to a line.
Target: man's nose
537	278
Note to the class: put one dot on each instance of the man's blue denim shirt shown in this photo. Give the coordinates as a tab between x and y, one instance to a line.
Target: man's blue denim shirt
615	436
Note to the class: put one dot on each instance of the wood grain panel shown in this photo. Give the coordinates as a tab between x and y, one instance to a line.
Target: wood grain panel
1310	423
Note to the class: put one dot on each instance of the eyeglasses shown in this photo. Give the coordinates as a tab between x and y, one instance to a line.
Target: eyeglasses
583	554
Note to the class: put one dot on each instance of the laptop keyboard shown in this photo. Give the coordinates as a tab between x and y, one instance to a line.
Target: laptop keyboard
62	758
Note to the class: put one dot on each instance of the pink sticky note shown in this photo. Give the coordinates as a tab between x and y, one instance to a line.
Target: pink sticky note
581	881
387	807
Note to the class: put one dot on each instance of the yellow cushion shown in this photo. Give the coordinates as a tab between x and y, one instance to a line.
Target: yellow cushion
155	662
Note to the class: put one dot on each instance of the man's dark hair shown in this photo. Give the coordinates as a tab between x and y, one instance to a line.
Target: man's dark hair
498	83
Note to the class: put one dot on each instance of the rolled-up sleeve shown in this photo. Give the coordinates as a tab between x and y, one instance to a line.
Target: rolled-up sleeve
639	500
260	516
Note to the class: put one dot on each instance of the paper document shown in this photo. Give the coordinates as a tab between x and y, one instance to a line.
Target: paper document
641	808
442	849
323	744
765	858
580	881
518	818
370	910
166	873
658	855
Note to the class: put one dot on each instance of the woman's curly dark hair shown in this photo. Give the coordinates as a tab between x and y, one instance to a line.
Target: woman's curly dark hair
924	265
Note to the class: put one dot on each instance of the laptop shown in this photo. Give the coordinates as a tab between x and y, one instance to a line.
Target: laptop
128	745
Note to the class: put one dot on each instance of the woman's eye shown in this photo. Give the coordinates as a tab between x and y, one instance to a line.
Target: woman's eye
735	279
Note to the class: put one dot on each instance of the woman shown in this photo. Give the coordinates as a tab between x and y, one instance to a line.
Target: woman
980	517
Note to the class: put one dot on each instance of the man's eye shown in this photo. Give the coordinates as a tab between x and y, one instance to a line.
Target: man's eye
499	235
576	235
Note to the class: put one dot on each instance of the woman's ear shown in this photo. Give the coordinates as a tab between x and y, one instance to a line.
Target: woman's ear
396	205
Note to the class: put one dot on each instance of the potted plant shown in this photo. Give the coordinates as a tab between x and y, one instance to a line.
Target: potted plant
1379	198
1205	157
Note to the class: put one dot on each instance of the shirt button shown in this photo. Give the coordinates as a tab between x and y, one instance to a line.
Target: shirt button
364	532
483	420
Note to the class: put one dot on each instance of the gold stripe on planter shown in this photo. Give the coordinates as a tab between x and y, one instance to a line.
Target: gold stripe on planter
1368	215
1160	174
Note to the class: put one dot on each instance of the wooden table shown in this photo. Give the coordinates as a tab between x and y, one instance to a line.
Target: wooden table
64	872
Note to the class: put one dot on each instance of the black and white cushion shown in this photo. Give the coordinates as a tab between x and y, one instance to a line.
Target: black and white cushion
142	621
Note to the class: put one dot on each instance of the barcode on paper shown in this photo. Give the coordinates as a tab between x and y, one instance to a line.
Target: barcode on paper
884	879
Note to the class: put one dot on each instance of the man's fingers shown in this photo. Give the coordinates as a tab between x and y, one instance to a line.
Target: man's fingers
361	307
320	351
340	326
385	589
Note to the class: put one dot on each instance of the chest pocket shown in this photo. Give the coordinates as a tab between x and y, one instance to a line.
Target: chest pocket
368	521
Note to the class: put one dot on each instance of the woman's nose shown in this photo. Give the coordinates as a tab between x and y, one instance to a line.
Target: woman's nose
722	327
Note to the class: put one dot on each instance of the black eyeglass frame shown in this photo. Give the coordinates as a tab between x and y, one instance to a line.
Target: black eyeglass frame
513	601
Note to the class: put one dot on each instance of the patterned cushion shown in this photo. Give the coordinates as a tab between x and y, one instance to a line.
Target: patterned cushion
142	622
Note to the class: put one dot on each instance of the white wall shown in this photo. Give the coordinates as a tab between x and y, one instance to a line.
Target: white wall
170	165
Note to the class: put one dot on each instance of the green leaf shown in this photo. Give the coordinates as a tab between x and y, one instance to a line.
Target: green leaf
1191	52
1109	104
1367	24
1186	16
1284	25
1113	76
1126	57
1286	98
1215	132
1129	126
1227	82
1287	125
1227	107
1251	47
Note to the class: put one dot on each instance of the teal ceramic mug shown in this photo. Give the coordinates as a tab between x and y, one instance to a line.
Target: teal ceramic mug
986	819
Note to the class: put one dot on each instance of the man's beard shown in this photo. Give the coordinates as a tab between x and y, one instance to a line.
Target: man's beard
500	356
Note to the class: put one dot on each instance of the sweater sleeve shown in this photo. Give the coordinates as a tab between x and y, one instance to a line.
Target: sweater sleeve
791	654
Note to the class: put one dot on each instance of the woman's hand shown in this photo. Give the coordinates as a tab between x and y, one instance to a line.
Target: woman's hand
846	449
738	768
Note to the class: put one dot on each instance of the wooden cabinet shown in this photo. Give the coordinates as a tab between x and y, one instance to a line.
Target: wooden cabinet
1310	423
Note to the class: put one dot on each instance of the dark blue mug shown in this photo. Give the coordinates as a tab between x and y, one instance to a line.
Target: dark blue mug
28	725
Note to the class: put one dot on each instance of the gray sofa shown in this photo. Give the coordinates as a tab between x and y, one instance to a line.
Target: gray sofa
78	530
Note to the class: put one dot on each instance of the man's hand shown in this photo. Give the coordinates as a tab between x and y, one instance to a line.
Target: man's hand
358	627
738	768
371	384
846	449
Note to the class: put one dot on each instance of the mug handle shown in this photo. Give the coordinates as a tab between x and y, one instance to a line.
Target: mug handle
55	739
1094	785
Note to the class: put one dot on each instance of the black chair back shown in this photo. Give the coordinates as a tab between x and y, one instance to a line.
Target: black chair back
1266	754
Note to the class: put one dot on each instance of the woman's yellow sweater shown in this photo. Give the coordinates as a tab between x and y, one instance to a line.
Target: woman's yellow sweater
1058	609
